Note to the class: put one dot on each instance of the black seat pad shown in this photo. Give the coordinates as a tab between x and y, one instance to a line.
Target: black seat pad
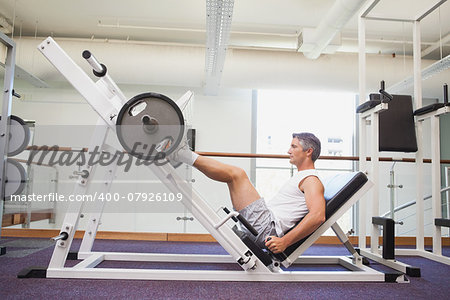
367	105
442	222
428	108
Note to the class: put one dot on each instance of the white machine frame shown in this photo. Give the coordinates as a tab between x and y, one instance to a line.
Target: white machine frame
371	117
106	99
436	255
374	251
10	63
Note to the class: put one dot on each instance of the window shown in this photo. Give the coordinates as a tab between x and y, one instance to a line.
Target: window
329	115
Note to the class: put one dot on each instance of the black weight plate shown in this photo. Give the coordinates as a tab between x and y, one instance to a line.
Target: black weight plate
15	178
19	135
164	121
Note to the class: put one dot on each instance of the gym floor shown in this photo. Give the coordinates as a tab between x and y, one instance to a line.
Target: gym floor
26	252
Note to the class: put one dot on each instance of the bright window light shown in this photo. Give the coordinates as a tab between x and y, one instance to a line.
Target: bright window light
329	115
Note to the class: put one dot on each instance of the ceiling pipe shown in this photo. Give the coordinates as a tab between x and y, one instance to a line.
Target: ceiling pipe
5	27
436	45
339	14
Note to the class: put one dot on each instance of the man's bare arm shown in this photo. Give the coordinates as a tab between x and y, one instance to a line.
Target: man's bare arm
313	190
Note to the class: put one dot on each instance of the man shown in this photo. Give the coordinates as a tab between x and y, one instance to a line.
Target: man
302	196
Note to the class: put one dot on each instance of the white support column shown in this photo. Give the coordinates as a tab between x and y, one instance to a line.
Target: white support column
8	85
362	218
362	128
362	59
436	184
375	170
419	154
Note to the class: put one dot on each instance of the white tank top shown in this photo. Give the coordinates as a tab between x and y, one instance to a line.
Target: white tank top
289	205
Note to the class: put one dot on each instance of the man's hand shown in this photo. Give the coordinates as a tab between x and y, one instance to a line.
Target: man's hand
276	244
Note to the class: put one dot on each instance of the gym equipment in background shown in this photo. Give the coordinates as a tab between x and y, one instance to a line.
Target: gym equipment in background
392	128
14	134
432	112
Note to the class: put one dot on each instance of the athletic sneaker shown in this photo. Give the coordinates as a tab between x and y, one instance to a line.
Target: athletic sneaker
183	154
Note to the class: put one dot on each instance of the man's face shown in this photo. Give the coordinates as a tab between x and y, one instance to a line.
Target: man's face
296	153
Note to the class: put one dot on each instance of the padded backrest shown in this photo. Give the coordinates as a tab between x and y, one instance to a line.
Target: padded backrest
397	128
396	125
338	189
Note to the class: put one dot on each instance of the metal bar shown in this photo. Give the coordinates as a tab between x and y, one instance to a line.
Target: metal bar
254	133
447	194
8	84
369	9
436	184
375	168
230	215
436	45
398	208
393	264
392	191
161	257
389	19
253	155
430	10
362	206
423	253
95	64
419	132
345	241
365	275
90	262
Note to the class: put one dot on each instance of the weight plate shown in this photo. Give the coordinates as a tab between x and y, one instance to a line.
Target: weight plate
150	123
19	135
15	178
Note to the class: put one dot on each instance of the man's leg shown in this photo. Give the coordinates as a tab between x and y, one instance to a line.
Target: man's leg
242	192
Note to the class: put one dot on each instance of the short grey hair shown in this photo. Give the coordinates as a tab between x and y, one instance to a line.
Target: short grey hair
309	140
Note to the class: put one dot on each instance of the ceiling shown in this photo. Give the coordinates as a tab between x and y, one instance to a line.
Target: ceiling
256	24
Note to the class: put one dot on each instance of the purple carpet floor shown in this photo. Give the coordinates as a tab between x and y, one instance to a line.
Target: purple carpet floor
22	253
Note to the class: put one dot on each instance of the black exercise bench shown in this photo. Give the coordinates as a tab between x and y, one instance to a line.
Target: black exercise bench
341	192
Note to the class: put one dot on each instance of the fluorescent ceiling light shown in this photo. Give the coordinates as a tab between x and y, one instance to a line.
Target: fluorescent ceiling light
428	72
218	26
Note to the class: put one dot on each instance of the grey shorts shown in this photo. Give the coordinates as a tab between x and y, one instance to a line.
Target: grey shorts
260	217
